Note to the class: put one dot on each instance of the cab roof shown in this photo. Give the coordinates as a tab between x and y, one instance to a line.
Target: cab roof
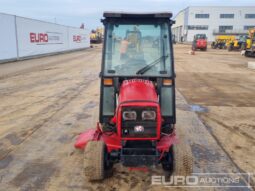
137	15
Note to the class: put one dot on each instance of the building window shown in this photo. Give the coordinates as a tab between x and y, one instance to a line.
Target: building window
224	28
248	27
202	16
227	16
250	16
198	27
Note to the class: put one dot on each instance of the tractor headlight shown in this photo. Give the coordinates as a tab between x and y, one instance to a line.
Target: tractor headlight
148	115
129	115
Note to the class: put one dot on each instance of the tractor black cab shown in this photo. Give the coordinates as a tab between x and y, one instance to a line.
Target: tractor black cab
143	60
200	36
137	97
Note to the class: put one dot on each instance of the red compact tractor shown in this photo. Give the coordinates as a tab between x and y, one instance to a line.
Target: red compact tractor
199	42
137	100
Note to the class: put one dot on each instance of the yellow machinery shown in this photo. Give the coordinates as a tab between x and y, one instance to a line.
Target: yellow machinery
222	41
250	51
97	36
251	39
134	38
240	43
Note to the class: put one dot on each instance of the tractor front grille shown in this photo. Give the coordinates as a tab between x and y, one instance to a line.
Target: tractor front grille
148	127
139	153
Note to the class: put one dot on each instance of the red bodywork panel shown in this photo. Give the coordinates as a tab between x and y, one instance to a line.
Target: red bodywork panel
201	43
113	141
138	93
133	93
137	90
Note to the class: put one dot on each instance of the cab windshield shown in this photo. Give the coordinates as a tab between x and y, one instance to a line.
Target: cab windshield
137	49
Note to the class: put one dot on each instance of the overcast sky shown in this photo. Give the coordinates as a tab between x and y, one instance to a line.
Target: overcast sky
89	12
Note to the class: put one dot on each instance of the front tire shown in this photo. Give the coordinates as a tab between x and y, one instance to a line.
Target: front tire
94	160
167	162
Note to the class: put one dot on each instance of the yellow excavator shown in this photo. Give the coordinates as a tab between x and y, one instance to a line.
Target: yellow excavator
250	46
222	41
240	43
97	36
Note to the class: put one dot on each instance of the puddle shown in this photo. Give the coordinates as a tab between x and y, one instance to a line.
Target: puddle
195	108
198	108
183	107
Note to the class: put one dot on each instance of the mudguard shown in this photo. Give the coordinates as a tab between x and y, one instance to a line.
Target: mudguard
85	137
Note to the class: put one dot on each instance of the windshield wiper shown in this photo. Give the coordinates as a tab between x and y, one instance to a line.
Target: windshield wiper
149	66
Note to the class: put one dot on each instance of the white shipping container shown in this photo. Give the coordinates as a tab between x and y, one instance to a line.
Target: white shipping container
22	37
8	48
38	37
78	38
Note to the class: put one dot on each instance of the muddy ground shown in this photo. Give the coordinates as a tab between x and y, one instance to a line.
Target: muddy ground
221	83
46	102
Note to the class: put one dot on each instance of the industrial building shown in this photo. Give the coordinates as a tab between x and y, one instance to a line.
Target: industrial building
212	21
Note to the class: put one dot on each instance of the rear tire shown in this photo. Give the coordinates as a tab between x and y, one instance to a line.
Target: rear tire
183	160
94	156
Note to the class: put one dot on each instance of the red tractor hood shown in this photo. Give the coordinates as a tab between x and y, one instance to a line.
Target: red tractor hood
137	90
201	42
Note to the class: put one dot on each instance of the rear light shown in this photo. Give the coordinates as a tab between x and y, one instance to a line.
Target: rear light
129	115
148	115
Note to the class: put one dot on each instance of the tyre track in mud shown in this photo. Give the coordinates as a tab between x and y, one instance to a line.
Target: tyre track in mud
9	110
53	151
71	94
209	154
39	69
209	128
232	129
10	141
22	171
42	66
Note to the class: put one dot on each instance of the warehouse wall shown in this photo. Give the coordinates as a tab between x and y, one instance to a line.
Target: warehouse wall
178	28
22	37
214	21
